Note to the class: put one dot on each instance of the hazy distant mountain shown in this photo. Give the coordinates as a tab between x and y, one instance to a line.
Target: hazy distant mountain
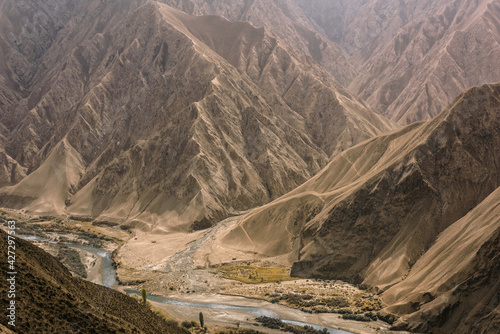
137	112
413	57
374	214
284	19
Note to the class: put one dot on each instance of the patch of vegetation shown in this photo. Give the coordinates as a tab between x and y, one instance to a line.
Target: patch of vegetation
190	324
241	331
344	311
71	259
389	318
278	324
357	317
255	275
366	304
172	322
316	304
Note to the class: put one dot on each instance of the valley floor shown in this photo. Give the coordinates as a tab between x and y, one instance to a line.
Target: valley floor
155	262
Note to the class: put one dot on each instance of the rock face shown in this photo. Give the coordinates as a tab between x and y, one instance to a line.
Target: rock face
286	20
374	214
140	113
66	304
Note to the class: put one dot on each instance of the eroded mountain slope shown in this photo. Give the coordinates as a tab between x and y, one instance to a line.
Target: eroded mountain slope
372	212
395	213
284	19
407	59
157	127
413	57
454	286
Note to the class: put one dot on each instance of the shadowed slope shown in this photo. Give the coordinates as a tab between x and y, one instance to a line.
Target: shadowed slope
459	274
374	215
61	303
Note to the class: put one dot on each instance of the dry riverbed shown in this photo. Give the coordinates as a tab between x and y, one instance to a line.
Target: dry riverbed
170	265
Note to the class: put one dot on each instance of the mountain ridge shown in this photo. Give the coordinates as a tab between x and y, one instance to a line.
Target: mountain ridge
140	90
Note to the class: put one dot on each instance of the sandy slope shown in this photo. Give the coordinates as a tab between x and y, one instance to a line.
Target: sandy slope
374	211
460	272
48	186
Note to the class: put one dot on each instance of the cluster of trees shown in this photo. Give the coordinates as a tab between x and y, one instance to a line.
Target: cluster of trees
274	323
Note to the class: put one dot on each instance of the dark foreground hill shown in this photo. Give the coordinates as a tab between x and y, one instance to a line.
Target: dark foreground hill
49	300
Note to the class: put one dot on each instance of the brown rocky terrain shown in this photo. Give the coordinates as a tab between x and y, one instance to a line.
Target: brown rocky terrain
167	116
163	127
454	285
285	19
377	208
407	59
61	303
431	60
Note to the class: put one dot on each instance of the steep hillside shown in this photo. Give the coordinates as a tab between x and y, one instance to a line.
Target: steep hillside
393	213
454	286
407	59
284	19
27	31
156	126
376	208
283	74
61	303
433	59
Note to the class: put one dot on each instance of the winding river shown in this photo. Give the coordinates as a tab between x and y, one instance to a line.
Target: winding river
106	270
108	279
254	311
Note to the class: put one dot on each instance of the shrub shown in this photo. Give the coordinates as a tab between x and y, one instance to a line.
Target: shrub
186	324
357	317
172	322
